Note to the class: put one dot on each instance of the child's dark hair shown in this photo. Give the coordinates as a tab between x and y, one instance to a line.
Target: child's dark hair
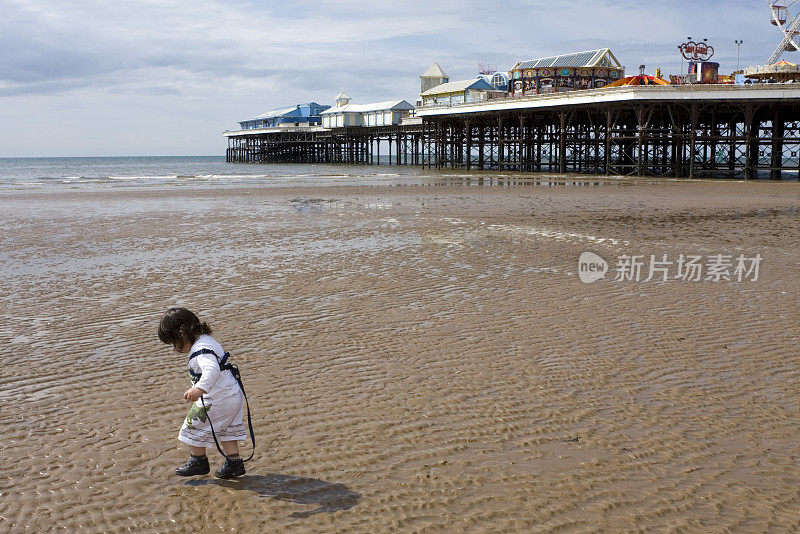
179	327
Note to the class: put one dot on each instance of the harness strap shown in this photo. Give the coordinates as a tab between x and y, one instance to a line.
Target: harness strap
205	351
225	366
223	363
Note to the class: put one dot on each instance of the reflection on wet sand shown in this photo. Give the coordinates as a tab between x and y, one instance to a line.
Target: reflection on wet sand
416	358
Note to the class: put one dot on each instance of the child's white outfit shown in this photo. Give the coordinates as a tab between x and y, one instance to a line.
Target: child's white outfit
224	400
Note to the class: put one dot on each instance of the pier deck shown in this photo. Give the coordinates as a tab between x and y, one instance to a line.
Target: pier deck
691	131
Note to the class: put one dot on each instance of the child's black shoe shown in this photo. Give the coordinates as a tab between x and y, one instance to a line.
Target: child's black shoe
230	469
197	465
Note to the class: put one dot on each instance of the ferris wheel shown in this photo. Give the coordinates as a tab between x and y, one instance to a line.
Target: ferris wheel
786	17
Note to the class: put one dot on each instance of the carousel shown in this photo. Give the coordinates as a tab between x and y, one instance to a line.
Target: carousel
780	72
784	15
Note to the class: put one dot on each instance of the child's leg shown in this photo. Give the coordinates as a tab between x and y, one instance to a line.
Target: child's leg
230	447
234	465
197	464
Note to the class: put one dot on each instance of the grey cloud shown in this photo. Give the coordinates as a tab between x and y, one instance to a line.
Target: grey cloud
42	87
217	62
42	49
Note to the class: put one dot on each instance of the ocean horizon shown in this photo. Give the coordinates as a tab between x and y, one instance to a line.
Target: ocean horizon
182	171
103	172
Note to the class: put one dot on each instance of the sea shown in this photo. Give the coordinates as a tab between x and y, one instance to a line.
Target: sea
190	171
203	172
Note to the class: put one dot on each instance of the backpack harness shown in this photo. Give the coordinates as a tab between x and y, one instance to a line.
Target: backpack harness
224	365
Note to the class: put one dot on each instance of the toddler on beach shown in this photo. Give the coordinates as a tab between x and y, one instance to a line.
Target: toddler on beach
222	397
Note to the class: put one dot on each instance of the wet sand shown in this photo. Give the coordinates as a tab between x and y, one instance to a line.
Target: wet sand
418	358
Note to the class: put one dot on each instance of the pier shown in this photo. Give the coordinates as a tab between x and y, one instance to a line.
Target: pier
692	131
354	145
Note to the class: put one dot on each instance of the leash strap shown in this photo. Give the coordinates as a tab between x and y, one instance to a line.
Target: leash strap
224	365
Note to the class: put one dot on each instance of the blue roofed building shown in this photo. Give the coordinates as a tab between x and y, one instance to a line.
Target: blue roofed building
498	80
299	115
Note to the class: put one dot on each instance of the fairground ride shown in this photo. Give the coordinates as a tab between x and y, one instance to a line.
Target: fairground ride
785	15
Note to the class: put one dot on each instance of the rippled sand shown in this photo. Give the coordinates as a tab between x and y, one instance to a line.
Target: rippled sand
417	358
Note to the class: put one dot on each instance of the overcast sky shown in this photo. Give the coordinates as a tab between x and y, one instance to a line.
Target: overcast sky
166	77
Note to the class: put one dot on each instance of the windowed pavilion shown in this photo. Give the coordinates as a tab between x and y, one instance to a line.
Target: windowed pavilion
567	72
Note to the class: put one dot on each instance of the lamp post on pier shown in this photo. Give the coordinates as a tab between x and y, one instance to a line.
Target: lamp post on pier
738	46
688	40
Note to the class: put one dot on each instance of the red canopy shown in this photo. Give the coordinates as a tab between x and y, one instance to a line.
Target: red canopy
641	79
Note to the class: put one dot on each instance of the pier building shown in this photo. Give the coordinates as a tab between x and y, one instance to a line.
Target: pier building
345	114
432	77
300	115
498	80
567	72
460	92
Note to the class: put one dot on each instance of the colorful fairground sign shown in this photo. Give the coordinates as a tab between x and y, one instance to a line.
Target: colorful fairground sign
692	51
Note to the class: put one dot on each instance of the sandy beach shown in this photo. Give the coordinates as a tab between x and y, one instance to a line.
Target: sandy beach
417	358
